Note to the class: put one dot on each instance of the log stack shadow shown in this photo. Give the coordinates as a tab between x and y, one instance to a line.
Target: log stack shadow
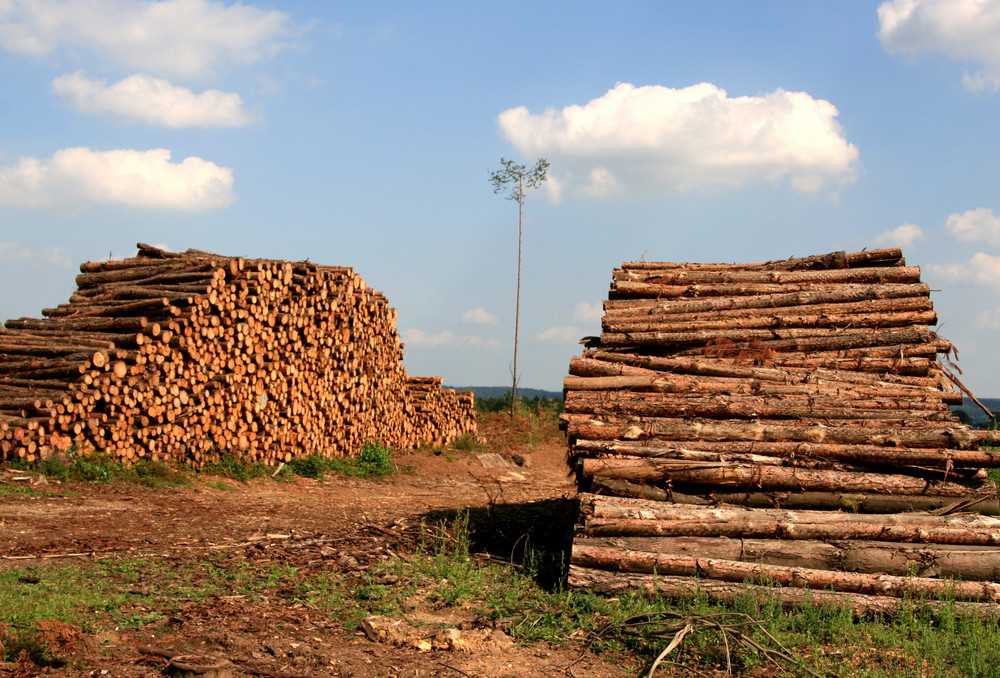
786	423
186	356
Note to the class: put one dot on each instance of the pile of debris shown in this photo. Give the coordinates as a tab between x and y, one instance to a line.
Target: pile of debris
189	355
725	405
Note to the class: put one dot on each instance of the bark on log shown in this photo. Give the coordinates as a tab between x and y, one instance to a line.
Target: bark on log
845	294
839	259
869	276
735	407
776	340
774	478
618	583
854	454
605	516
767	320
130	324
612	428
970	563
726	368
628	560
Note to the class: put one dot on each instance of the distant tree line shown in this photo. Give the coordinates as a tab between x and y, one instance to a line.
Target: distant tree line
525	405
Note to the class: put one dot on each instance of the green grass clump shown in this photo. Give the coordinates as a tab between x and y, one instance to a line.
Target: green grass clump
231	465
42	607
93	467
468	442
373	461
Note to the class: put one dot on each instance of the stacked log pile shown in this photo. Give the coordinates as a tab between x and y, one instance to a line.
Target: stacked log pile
806	387
186	355
439	412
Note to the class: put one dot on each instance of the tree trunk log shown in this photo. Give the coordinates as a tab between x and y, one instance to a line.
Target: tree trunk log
697	450
848	294
628	560
769	319
971	563
618	516
612	428
618	583
775	478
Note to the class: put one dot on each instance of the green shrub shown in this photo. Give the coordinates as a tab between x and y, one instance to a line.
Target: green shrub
94	467
375	459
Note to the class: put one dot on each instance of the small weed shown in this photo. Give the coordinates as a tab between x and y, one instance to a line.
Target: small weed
93	467
468	442
311	466
219	485
232	466
374	461
19	491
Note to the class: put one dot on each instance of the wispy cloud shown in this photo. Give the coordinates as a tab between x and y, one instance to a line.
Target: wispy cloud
981	269
905	235
55	256
977	224
75	178
989	319
173	37
445	338
153	101
962	29
479	316
657	139
588	312
561	335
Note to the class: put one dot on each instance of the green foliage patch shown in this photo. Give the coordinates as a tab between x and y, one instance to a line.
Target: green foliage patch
41	607
373	461
525	405
93	467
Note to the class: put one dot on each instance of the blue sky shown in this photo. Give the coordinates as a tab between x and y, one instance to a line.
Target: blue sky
362	134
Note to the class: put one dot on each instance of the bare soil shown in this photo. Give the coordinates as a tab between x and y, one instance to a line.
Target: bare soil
339	524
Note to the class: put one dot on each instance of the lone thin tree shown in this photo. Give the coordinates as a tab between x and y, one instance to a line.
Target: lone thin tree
515	179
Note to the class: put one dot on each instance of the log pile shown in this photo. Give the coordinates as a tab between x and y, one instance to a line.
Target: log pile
807	385
187	355
438	411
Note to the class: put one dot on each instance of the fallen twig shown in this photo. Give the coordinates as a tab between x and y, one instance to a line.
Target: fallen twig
673	628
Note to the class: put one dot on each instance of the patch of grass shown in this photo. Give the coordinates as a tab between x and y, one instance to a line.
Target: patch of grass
373	461
19	491
92	467
825	639
230	465
219	485
468	442
44	608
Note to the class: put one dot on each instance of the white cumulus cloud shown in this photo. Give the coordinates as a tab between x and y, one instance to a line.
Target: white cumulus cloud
982	269
904	236
658	139
177	37
153	101
561	335
445	338
588	312
479	316
75	178
989	319
967	30
55	256
977	224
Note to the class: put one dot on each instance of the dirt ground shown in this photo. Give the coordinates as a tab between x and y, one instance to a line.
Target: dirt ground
344	524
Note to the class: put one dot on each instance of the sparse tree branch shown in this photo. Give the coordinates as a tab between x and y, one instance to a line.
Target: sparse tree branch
515	178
